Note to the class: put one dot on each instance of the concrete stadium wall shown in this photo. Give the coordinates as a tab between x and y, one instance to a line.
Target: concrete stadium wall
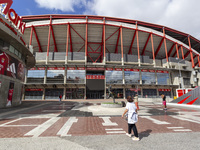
17	91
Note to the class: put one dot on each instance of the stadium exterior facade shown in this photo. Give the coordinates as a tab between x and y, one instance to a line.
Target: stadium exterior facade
81	56
15	57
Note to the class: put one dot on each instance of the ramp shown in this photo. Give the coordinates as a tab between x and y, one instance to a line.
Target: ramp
190	98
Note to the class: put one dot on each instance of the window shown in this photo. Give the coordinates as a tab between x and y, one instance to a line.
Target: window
36	74
75	76
113	76
163	78
148	77
132	77
11	49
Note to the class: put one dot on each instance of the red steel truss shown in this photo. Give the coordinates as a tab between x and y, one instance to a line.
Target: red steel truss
102	44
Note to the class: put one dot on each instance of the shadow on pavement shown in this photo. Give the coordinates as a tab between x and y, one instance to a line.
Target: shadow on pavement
145	133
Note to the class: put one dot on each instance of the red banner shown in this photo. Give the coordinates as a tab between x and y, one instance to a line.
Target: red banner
34	89
81	68
95	77
118	69
56	68
159	71
109	69
41	68
135	70
71	68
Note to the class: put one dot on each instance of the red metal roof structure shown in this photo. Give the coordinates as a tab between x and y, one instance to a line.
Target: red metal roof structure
98	35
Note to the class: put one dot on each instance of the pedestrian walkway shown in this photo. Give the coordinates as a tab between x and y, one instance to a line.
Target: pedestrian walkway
85	119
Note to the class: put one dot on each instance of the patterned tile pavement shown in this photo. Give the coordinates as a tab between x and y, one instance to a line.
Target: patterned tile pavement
57	119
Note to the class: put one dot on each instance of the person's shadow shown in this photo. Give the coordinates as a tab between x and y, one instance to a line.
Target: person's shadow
145	133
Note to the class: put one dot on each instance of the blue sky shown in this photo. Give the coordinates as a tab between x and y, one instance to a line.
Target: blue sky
182	15
30	7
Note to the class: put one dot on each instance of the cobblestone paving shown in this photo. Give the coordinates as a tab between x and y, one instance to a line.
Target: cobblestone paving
59	119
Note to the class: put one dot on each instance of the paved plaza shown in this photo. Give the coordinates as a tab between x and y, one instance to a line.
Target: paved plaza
88	125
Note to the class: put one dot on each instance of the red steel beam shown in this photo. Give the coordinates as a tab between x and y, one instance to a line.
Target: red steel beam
152	45
191	55
159	46
70	37
49	39
31	36
104	38
165	44
199	61
40	48
78	33
143	51
137	37
182	52
171	49
67	44
112	34
188	52
176	51
54	40
116	48
122	49
86	37
130	49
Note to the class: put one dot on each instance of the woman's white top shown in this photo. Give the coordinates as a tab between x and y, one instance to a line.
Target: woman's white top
132	115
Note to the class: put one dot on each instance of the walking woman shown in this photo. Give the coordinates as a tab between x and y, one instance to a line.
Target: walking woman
131	109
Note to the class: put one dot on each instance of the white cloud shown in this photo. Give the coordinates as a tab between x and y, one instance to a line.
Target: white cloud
63	5
182	15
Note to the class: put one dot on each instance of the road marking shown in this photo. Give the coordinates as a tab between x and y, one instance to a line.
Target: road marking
175	127
41	128
116	132
155	120
10	122
182	130
107	122
115	129
180	117
66	127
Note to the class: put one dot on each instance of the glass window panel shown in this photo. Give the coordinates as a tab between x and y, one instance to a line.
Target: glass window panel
20	55
36	74
55	73
163	78
132	77
76	76
148	78
16	52
114	76
11	49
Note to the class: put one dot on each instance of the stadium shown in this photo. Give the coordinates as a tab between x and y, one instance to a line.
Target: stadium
81	56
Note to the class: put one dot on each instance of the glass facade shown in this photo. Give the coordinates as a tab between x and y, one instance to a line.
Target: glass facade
36	76
151	93
148	77
132	76
114	77
76	93
163	77
76	76
55	75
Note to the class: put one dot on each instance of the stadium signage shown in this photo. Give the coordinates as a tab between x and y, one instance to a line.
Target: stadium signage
12	15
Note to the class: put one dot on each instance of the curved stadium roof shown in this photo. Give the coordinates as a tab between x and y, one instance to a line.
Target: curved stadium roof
56	27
